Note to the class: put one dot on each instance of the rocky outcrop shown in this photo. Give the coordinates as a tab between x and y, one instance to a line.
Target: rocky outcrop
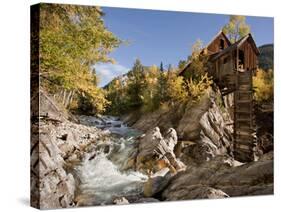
56	186
156	152
60	147
52	110
221	177
206	124
56	147
196	192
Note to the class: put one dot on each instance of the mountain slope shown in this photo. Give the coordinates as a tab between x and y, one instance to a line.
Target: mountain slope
266	56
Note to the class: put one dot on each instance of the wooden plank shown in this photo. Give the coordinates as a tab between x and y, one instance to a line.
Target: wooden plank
243	96
243	125
240	101
243	147
244	107
247	138
244	115
244	92
244	132
246	129
245	87
244	111
246	142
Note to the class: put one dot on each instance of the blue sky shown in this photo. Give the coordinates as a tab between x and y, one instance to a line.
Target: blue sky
156	36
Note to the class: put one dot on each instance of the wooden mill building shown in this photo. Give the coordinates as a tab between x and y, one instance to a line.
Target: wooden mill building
232	67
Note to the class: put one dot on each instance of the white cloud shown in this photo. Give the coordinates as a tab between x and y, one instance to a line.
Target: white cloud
107	71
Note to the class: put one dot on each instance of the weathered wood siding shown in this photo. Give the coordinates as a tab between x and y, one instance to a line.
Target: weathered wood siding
215	45
249	55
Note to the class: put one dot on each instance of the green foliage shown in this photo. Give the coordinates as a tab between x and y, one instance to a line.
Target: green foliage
161	87
263	86
236	27
116	94
161	67
72	39
136	85
182	64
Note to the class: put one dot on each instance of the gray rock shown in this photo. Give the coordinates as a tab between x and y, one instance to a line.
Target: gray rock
222	174
267	156
121	201
52	157
56	187
146	200
197	192
266	142
156	152
157	183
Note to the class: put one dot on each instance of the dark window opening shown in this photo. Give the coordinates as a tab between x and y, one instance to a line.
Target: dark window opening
221	44
241	59
225	60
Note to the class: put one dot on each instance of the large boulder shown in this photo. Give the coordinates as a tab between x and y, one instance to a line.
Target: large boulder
196	192
157	182
223	174
156	152
206	125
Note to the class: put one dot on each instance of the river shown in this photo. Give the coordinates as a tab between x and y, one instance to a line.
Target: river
101	173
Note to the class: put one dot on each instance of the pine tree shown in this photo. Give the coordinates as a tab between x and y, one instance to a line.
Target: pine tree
94	77
136	85
161	67
161	88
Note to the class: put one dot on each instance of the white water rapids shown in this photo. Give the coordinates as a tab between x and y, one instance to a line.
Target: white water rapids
100	176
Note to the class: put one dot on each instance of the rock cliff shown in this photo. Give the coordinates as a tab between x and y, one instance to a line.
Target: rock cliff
203	128
59	145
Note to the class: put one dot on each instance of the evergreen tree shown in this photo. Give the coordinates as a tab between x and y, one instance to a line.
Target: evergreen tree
161	67
94	77
136	85
170	67
161	88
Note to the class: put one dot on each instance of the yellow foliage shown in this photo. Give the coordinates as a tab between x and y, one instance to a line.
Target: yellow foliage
197	88
263	85
176	89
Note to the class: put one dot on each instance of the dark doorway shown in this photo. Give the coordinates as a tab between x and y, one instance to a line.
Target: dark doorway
241	59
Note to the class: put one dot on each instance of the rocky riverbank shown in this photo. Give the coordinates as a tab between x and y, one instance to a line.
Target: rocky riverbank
100	160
